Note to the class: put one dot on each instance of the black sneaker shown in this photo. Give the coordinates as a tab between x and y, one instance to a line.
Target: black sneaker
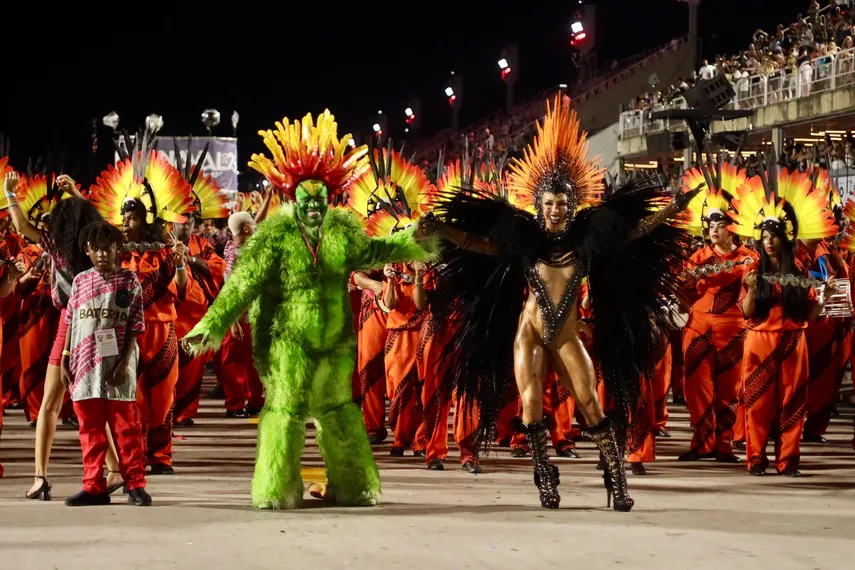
471	467
139	497
84	499
251	411
236	414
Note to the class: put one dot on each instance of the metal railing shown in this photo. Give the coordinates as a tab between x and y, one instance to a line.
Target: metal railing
824	73
638	122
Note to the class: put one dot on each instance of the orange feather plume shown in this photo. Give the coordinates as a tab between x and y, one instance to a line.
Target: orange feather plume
556	161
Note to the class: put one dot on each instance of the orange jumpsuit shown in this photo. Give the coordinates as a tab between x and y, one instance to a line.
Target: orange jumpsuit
829	342
437	401
158	363
775	384
713	343
641	439
39	323
371	354
10	360
402	376
198	295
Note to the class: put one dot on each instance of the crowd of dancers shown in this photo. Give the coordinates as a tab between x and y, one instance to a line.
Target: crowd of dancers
525	298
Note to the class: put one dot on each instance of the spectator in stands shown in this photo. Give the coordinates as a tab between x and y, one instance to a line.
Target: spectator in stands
708	71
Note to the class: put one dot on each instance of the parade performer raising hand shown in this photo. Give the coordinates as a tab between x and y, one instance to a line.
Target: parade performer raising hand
514	280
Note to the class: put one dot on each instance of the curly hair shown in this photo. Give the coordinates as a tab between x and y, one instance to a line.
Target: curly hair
66	222
100	232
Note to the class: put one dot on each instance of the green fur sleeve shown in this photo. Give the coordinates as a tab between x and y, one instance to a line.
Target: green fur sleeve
374	253
255	265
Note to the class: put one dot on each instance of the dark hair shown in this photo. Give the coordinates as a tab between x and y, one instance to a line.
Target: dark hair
100	232
794	299
66	222
221	223
150	232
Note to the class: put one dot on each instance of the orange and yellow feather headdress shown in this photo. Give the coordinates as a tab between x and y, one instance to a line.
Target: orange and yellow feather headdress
208	199
209	202
38	195
161	189
303	150
713	200
556	161
788	200
392	194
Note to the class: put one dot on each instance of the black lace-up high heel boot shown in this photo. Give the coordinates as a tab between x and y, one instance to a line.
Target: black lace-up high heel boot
545	473
614	476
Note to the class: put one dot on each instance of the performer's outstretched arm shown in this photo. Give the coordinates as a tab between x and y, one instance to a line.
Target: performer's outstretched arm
460	238
253	269
374	253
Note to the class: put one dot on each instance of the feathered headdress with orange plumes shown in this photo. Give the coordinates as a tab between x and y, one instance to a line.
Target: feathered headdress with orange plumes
149	179
392	194
4	203
38	195
209	202
556	161
782	202
713	203
304	150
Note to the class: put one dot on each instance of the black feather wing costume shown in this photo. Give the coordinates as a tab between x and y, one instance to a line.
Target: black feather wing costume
482	296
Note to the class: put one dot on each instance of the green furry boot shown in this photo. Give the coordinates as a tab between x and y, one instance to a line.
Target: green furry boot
277	483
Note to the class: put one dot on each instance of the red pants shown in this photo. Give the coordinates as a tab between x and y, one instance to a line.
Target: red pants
677	365
466	429
158	370
10	356
775	373
829	344
436	401
94	415
371	365
237	372
713	362
406	414
188	390
641	442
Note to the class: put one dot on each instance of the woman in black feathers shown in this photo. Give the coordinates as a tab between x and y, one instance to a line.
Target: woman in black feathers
511	281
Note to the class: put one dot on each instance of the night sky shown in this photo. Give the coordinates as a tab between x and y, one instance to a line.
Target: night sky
64	68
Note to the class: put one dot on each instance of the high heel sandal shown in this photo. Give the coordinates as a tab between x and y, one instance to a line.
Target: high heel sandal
113	488
545	473
43	492
614	475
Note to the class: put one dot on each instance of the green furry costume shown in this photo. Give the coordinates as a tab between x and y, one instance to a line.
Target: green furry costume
304	347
